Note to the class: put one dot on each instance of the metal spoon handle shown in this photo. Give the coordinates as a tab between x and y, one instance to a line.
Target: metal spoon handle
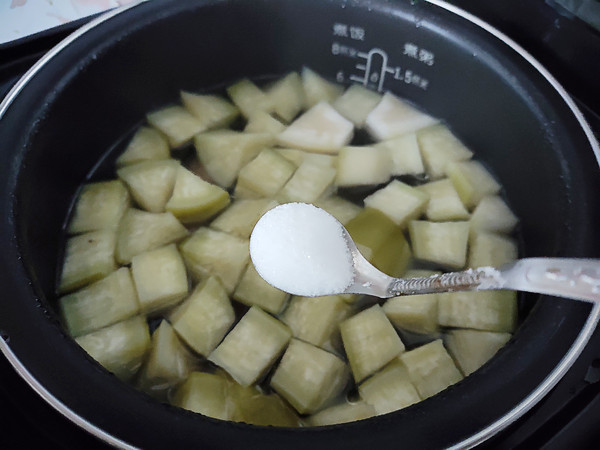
563	277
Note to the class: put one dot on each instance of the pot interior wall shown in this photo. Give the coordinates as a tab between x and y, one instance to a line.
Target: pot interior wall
96	92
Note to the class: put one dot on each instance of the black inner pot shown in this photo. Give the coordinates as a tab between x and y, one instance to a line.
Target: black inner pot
97	89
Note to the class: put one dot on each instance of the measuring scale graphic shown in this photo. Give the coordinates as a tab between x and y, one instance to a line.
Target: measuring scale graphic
374	69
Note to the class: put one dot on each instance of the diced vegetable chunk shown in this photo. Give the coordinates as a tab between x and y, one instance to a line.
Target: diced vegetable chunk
211	111
320	129
209	252
343	210
254	407
439	147
160	278
415	313
471	349
249	98
224	152
444	202
317	89
195	200
205	393
389	389
493	214
444	243
490	249
99	206
356	103
103	303
262	122
405	156
393	117
252	346
119	348
315	319
309	182
287	96
309	377
430	368
253	290
146	144
88	258
150	182
398	201
370	342
360	166
241	216
266	174
176	123
472	181
480	310
204	318
140	231
342	413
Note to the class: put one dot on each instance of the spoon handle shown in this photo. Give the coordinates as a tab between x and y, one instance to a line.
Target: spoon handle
563	277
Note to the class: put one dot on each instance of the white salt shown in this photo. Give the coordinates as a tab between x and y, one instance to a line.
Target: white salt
301	249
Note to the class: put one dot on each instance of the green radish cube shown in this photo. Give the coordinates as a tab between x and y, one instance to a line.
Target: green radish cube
393	117
195	200
439	147
444	243
389	390
380	241
340	208
262	122
493	214
405	156
490	249
320	129
266	174
309	377
318	89
444	202
360	166
160	278
103	303
140	231
294	155
224	152
479	310
212	111
315	319
146	144
342	413
287	96
471	349
256	408
150	182
205	393
249	98
472	181
88	257
414	313
204	318
430	368
370	342
399	201
356	103
119	348
252	347
241	216
253	290
99	206
209	252
308	183
168	362
176	123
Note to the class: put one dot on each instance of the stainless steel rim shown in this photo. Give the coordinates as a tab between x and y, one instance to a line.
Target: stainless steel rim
518	411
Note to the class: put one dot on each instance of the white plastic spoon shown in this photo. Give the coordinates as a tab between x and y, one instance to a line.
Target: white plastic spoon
303	250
